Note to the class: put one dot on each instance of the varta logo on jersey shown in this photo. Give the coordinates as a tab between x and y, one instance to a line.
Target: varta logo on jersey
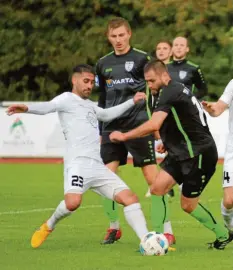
111	83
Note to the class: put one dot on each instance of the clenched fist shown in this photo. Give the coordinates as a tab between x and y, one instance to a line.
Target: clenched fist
138	97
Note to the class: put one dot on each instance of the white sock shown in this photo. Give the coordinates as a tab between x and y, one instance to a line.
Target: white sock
60	213
227	216
148	194
180	187
115	225
167	227
136	219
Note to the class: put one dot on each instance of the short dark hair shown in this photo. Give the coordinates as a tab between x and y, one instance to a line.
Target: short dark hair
118	22
83	68
168	42
156	65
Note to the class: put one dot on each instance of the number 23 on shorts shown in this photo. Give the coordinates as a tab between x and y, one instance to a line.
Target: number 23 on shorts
77	181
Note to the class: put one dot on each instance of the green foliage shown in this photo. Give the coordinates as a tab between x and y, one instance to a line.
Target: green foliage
41	40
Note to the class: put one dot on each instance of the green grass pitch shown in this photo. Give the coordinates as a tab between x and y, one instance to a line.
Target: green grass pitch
30	192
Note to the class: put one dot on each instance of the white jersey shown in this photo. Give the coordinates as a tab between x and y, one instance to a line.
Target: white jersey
79	121
227	97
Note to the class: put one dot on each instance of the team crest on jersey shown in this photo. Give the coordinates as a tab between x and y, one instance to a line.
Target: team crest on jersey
91	118
129	65
182	74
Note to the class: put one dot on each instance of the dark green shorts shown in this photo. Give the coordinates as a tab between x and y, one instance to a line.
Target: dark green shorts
193	173
142	151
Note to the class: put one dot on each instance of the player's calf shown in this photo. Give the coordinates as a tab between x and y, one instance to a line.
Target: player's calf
133	212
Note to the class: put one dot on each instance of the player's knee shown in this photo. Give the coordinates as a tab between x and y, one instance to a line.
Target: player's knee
154	190
228	201
188	206
73	203
126	197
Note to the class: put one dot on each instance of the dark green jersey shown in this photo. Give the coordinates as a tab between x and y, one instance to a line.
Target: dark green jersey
185	132
190	75
119	78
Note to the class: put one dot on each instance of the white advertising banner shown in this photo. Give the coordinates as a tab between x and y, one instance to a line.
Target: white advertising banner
25	135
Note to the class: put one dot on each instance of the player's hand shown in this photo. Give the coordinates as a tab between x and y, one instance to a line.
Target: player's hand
117	136
160	148
138	97
208	106
17	108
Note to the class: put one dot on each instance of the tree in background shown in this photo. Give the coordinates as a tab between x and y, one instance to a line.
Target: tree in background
41	40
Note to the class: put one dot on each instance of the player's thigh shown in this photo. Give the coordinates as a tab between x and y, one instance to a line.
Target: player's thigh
113	152
150	173
107	183
113	166
166	177
198	171
142	151
76	177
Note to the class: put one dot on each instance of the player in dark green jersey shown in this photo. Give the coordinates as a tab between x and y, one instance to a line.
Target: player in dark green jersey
184	71
192	153
163	52
120	75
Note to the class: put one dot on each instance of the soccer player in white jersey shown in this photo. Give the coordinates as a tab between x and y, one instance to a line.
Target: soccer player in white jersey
83	166
215	109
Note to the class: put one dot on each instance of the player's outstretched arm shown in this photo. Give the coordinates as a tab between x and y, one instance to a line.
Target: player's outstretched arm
16	108
145	129
141	131
214	108
109	114
37	108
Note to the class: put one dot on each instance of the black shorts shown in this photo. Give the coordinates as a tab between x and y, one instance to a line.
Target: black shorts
193	173
142	150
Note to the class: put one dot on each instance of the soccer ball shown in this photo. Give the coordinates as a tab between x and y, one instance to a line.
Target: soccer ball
154	244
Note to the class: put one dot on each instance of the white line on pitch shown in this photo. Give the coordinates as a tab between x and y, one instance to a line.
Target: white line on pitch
18	212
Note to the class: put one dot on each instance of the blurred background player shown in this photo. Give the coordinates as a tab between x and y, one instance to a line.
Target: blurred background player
163	51
120	76
215	109
83	166
194	163
184	71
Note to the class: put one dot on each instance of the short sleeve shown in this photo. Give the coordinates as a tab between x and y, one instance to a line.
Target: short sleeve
227	95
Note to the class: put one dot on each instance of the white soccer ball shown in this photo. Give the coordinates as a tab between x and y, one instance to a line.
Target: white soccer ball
154	244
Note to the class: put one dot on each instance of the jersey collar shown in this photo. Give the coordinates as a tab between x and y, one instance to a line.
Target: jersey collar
122	55
179	62
77	97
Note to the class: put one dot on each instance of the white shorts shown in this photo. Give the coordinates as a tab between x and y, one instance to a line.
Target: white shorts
228	165
86	173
